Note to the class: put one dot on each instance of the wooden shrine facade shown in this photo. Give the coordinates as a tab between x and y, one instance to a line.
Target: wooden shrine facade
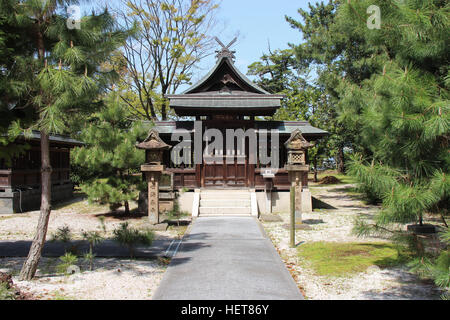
231	173
226	99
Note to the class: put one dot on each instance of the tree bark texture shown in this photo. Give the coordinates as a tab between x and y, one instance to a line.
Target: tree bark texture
30	266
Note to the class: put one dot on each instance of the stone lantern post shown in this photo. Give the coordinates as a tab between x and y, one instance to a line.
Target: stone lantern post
298	171
154	148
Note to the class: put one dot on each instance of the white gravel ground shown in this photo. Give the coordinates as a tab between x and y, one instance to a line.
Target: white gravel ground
79	216
112	279
138	279
335	225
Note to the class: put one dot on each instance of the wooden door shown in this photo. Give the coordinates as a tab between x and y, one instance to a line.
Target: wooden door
231	173
234	171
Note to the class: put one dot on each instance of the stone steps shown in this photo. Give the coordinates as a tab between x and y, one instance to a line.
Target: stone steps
244	195
205	211
225	202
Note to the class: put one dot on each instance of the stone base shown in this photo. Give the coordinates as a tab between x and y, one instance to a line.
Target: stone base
281	202
271	218
297	226
15	201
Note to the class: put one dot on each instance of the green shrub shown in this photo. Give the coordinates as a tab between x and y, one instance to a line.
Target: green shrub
67	261
93	237
62	234
130	237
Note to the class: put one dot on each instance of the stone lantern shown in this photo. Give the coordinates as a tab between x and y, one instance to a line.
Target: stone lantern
297	169
154	149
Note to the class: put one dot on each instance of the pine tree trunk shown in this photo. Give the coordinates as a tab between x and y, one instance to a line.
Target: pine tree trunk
29	267
341	160
127	208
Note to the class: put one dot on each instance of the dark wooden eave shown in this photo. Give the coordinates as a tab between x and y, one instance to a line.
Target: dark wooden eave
56	140
285	128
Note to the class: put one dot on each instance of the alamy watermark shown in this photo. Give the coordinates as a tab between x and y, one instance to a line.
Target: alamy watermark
74	20
374	11
229	146
374	20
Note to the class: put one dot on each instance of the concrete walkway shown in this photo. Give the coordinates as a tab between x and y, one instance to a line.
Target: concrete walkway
227	258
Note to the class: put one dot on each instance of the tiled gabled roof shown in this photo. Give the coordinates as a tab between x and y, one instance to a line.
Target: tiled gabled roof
225	60
225	89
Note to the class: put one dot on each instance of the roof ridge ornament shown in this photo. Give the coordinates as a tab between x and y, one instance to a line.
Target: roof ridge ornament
225	51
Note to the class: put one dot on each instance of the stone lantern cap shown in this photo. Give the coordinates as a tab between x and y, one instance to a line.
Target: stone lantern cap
297	142
297	145
153	142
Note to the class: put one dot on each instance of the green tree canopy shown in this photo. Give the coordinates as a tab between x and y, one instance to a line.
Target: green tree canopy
403	110
51	77
110	153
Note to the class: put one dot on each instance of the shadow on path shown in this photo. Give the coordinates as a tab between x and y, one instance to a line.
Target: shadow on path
107	248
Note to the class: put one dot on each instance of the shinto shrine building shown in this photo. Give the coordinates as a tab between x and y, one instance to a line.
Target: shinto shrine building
226	99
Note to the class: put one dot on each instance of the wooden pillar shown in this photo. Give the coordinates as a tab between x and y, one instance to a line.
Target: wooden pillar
296	174
298	197
292	218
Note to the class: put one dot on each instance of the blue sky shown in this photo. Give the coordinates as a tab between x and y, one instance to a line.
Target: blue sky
257	23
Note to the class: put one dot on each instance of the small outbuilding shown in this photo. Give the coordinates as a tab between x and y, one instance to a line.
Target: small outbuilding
20	181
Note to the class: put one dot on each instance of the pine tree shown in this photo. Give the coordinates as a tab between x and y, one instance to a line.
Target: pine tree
391	89
280	72
335	52
403	110
15	53
60	80
110	152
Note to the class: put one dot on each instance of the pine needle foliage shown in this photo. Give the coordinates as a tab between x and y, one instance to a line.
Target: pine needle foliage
62	82
51	78
68	260
403	113
436	268
131	237
93	238
403	108
110	152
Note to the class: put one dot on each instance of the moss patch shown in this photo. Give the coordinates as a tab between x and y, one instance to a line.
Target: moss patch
339	259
